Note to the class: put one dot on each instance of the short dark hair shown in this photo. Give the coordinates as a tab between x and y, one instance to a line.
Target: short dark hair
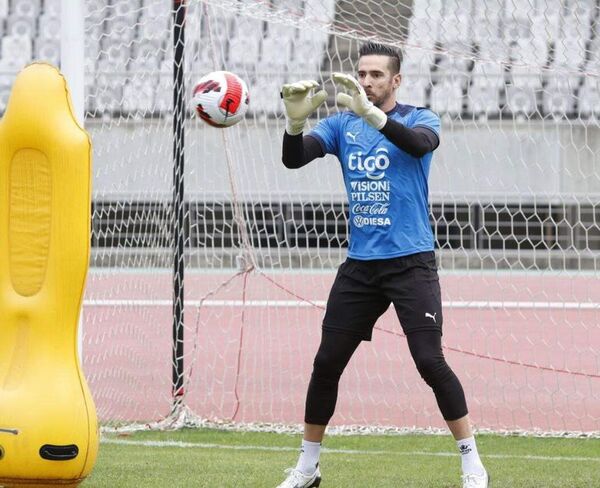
395	55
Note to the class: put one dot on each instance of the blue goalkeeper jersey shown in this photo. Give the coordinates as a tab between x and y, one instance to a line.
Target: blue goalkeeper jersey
387	187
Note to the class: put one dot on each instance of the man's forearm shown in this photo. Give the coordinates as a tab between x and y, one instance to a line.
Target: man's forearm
300	150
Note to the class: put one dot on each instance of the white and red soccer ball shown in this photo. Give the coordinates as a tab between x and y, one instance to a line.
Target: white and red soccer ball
221	98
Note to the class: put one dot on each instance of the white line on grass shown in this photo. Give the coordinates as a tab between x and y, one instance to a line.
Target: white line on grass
456	304
202	445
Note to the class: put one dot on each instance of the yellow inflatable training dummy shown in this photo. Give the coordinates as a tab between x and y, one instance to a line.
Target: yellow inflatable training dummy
48	425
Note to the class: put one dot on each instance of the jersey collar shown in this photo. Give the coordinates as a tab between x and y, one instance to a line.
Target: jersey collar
401	110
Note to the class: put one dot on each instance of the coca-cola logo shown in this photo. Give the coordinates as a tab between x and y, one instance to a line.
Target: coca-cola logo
370	208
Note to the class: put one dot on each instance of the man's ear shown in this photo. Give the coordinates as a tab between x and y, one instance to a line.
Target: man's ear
397	80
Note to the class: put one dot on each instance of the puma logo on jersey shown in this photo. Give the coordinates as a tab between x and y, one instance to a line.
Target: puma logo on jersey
353	136
429	316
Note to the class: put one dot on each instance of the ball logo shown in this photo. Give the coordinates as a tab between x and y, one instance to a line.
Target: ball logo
373	166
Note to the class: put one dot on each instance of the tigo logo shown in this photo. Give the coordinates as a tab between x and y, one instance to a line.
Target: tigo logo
373	166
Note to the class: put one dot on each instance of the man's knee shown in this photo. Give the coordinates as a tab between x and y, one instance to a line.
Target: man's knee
433	369
326	368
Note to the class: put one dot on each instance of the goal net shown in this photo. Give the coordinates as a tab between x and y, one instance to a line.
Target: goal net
514	194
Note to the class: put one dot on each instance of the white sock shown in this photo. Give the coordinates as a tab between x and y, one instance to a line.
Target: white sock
309	457
471	463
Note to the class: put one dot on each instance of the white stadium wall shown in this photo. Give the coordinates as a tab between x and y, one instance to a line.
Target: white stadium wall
470	163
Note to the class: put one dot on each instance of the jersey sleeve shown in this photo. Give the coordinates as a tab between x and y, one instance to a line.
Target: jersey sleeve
428	119
326	132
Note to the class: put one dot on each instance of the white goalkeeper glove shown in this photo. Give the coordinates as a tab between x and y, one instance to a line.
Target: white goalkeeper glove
357	101
299	104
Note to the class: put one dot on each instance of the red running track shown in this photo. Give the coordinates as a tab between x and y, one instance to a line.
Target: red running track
522	367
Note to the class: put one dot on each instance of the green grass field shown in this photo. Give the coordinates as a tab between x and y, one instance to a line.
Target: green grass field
219	459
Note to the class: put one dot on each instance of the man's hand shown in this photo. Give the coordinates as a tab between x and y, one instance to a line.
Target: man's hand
356	100
299	103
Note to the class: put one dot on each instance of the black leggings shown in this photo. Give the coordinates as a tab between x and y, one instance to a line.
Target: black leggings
335	351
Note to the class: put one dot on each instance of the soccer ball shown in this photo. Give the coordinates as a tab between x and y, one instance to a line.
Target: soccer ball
221	98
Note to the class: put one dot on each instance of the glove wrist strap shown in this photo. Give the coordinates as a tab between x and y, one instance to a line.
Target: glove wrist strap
294	127
376	117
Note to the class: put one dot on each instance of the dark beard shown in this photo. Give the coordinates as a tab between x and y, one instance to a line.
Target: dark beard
378	102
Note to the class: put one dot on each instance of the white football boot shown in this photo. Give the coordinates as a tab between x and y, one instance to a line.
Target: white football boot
296	479
476	481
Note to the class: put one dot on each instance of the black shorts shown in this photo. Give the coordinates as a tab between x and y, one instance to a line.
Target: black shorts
363	291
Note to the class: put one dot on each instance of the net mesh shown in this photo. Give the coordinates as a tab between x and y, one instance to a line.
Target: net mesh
514	194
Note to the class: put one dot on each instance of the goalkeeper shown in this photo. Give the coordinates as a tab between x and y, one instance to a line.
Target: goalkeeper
385	150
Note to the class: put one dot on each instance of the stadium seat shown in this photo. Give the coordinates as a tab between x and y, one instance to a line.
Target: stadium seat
515	28
275	53
527	76
53	7
89	70
119	30
492	50
589	98
413	91
449	65
145	57
521	100
49	26
424	23
308	54
138	95
545	27
578	22
163	101
423	32
529	51
21	26
47	50
321	11
92	51
107	99
243	52
454	31
487	79
126	10
288	6
115	55
26	8
569	53
197	65
143	64
483	99
4	95
16	49
416	62
521	92
97	11
277	48
262	100
8	72
153	9
559	96
447	97
156	30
